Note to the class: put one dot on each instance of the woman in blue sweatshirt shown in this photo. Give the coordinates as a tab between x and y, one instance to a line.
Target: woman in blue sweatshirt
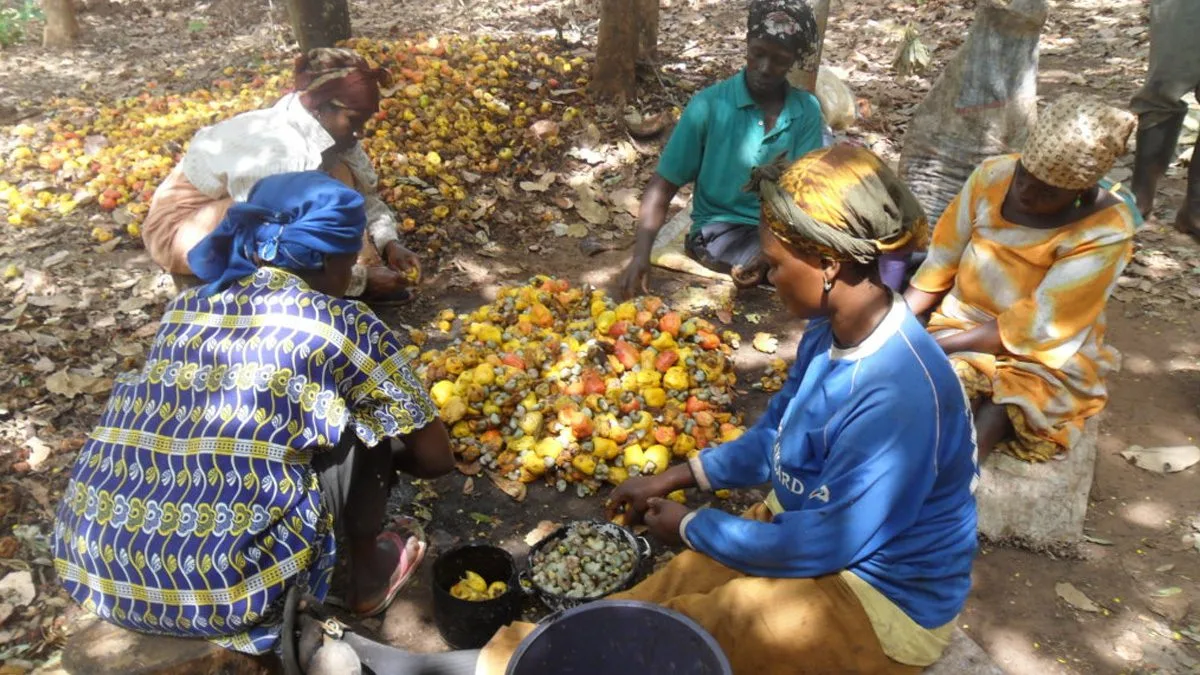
860	558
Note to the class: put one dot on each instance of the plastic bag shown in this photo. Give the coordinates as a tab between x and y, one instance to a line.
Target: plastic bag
836	99
983	104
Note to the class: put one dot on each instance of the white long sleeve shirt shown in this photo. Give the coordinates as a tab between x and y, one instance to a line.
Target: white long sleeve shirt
230	157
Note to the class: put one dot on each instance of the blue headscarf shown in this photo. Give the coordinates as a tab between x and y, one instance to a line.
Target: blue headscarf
291	220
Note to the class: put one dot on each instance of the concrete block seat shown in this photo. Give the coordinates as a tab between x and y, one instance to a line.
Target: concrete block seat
1038	505
964	657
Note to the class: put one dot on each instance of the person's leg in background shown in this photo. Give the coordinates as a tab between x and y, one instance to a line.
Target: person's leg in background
1174	70
1187	219
729	248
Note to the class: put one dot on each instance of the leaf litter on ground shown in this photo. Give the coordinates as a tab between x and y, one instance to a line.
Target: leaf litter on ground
1075	597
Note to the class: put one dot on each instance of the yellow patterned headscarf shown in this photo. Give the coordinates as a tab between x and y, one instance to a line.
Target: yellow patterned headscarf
1076	142
841	202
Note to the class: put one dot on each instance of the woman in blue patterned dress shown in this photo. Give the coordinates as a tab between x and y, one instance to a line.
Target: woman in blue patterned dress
269	410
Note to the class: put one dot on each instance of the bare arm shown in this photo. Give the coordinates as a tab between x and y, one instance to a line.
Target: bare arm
651	216
922	302
984	338
427	452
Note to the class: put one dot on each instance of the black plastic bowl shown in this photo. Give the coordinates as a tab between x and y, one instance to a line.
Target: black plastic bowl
619	637
465	624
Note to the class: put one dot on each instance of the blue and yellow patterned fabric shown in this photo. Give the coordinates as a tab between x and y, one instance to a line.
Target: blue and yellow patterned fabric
192	508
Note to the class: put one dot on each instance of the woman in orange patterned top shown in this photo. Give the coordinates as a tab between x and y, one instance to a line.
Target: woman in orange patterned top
1020	268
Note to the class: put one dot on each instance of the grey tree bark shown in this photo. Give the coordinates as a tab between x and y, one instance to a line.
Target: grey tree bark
804	73
319	23
647	30
62	28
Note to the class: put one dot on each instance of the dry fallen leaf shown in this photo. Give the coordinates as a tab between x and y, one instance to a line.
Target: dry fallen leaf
540	185
16	588
70	385
469	469
513	488
765	343
588	207
56	259
1163	460
1075	597
586	154
627	199
40	494
544	129
543	530
39	452
468	486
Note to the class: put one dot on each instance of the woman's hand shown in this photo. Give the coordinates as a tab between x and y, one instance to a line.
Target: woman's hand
984	338
403	260
632	498
663	518
383	281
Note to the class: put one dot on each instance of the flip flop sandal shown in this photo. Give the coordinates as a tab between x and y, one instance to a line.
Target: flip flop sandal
412	552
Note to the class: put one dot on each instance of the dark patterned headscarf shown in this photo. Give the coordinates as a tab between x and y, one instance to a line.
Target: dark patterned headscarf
788	22
341	77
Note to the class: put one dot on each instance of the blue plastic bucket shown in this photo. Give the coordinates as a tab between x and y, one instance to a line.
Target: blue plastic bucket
619	637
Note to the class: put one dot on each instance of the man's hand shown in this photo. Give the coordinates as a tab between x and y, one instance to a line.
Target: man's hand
635	279
663	518
404	261
751	274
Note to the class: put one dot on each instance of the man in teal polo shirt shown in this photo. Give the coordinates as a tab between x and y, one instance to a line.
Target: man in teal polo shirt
726	130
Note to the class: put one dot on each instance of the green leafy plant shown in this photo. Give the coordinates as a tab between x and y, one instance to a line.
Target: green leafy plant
14	16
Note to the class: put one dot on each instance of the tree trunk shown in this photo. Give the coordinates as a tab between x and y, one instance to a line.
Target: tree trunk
804	74
647	21
62	28
319	23
615	75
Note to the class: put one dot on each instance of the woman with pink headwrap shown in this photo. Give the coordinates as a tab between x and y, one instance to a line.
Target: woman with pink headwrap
314	128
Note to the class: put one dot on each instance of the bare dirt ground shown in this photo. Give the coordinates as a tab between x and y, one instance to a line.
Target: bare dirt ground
72	305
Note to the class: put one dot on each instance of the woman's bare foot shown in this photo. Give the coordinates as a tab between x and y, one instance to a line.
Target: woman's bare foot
379	572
